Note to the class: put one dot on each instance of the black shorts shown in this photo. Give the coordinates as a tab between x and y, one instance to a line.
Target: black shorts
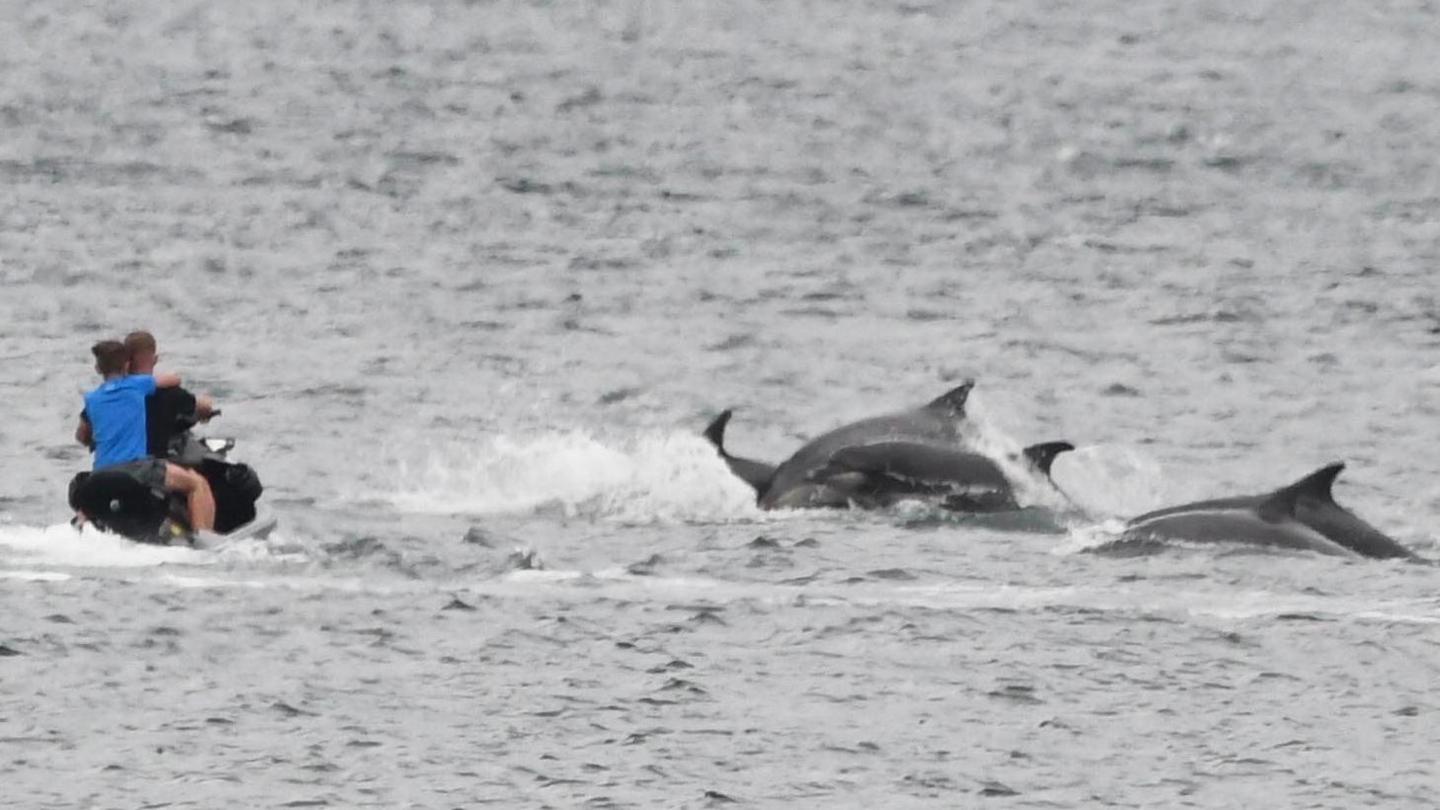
148	472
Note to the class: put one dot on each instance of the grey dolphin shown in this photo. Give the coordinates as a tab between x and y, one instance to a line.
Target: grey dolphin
936	422
1317	509
883	473
1293	516
883	459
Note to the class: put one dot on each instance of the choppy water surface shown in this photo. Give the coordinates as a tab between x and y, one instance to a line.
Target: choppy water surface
469	279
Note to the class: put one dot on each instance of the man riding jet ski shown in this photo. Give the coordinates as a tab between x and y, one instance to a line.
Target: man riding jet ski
154	499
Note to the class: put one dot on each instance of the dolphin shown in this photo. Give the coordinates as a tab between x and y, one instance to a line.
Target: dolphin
936	422
883	459
1302	515
885	472
755	473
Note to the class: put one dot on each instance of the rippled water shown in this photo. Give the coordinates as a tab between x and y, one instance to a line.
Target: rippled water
469	278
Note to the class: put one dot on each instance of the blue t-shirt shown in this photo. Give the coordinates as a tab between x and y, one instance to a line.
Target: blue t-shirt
116	411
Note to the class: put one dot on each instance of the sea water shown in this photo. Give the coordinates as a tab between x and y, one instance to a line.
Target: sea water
469	279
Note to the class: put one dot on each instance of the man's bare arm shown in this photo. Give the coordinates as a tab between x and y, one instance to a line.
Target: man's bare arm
83	433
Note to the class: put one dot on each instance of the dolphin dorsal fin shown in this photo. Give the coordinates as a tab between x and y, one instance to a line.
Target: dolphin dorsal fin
1317	484
1043	455
953	401
1278	505
716	431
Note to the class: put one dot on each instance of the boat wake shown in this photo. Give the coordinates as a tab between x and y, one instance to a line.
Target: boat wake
55	552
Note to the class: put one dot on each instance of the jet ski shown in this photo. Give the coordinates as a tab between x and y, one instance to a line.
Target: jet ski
115	502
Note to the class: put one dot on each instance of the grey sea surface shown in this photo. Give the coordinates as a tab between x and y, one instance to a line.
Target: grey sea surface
468	279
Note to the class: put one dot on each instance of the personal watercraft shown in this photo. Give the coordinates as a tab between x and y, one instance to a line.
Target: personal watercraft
114	501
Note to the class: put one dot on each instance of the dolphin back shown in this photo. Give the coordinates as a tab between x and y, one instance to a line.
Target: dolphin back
1249	526
1280	518
1269	520
921	464
885	473
937	422
1316	507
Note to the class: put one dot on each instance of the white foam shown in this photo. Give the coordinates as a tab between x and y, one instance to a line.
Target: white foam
212	582
668	477
65	547
1085	538
275	548
984	436
1111	479
34	576
545	576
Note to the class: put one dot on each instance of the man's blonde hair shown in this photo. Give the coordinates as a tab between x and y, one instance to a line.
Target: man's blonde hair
140	342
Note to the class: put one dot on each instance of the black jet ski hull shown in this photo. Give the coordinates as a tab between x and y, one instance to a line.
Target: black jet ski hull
116	502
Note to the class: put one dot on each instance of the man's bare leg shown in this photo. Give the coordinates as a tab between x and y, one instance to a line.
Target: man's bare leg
198	497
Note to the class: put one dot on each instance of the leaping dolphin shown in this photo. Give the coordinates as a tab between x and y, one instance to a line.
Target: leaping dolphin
877	475
1303	515
883	459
